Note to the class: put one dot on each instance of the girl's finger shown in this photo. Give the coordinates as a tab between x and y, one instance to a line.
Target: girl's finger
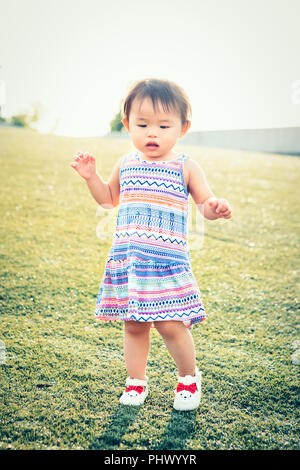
228	209
226	214
220	206
225	208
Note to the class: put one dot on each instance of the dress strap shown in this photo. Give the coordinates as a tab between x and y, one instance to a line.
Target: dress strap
181	161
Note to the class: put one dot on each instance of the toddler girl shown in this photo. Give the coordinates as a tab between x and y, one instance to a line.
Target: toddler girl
148	279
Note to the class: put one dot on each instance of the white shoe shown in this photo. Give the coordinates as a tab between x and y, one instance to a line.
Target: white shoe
134	394
188	392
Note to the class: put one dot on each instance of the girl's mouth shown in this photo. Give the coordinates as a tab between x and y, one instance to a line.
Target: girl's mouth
152	145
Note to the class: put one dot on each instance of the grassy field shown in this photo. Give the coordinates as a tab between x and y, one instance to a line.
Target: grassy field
63	373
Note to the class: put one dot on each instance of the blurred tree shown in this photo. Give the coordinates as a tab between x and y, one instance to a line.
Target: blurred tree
116	124
26	119
20	120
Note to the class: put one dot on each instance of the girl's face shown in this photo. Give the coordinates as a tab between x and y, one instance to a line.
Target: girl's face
154	133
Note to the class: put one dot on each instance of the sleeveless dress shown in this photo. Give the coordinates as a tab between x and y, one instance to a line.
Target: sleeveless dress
148	275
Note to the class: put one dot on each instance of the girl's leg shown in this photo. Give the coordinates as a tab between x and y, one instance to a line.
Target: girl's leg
180	344
136	348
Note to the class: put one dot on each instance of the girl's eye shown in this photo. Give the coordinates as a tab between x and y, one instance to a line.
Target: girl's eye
145	125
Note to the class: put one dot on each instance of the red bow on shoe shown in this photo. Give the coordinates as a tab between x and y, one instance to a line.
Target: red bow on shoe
136	388
190	388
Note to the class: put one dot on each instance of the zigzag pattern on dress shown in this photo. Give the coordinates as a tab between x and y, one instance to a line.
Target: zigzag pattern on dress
148	274
160	317
144	234
151	184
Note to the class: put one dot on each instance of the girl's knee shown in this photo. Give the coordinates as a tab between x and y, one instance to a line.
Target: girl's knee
169	329
134	327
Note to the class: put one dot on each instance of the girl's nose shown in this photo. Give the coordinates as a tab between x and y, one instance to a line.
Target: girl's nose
152	132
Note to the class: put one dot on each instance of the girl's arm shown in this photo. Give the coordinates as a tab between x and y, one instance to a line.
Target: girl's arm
210	207
105	194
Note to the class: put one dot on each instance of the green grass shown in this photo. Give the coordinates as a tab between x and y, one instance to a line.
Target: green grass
64	372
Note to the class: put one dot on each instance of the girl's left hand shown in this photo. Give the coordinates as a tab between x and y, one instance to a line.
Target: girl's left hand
220	208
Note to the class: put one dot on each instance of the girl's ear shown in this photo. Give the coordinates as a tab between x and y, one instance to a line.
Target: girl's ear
185	128
125	123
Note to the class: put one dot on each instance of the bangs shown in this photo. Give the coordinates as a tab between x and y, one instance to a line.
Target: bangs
159	97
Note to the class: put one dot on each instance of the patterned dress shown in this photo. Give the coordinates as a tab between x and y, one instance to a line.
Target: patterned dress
148	275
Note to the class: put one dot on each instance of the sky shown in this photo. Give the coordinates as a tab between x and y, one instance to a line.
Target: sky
238	60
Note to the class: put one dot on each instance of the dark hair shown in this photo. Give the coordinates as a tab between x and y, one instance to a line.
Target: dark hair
171	96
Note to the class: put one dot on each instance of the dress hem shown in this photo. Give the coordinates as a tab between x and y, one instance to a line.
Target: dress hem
192	321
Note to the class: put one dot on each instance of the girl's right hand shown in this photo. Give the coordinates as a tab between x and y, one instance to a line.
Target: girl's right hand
85	165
